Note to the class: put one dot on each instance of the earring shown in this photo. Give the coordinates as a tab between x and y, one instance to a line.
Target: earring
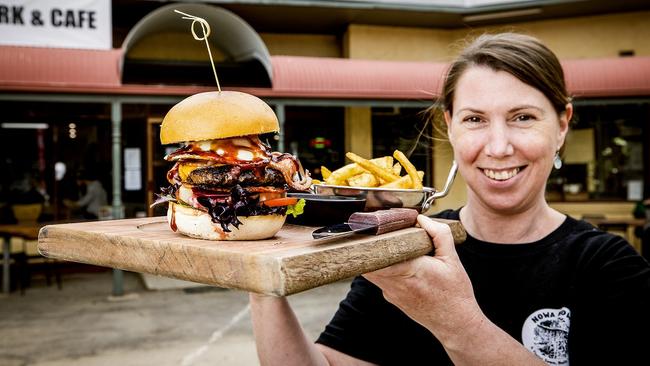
557	161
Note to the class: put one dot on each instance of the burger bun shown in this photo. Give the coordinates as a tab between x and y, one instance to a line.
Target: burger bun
217	115
198	224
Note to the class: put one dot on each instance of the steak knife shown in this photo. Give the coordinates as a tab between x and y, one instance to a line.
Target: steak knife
381	222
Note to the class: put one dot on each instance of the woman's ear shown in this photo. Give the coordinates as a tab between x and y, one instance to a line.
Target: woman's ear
447	116
565	119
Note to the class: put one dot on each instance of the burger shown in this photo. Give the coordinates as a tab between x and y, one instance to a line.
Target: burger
226	183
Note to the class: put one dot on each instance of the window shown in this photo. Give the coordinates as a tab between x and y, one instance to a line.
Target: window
315	136
605	155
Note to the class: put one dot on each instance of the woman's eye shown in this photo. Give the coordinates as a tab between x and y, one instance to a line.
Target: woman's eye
473	119
524	118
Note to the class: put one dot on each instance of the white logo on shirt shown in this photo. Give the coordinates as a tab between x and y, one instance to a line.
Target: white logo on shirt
546	334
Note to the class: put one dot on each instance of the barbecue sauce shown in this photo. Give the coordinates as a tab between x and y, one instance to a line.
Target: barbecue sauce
172	221
226	151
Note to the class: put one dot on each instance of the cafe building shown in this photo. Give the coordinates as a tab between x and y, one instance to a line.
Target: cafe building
88	88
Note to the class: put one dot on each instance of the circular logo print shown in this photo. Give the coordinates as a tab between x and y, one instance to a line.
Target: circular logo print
546	334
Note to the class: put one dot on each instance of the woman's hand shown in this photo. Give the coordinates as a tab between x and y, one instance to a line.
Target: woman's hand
434	291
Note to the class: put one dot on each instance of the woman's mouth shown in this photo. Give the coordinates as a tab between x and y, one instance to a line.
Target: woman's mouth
501	175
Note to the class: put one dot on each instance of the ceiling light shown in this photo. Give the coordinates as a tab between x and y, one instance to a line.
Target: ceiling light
501	15
33	126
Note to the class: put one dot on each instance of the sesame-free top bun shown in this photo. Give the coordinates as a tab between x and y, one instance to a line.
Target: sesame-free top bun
217	115
198	224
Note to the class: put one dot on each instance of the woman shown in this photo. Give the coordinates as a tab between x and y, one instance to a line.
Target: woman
529	286
94	198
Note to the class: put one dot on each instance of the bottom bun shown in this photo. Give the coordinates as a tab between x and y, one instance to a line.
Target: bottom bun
198	224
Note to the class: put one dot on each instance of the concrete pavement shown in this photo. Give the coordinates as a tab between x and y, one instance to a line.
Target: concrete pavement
80	325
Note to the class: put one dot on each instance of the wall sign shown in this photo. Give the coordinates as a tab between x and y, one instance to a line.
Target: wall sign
56	23
132	169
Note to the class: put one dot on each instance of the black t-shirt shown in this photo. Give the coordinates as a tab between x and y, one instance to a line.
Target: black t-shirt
578	296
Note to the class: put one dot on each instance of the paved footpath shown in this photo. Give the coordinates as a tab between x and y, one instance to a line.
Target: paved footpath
80	325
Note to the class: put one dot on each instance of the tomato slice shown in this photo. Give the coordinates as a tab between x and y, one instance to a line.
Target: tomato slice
285	201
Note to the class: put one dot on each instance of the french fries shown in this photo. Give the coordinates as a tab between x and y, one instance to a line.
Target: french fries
325	172
380	172
340	176
397	169
404	182
410	169
383	172
363	180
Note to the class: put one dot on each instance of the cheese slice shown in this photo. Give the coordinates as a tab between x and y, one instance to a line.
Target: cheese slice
184	169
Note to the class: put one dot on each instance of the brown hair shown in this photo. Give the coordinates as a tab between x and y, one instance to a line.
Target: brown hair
522	56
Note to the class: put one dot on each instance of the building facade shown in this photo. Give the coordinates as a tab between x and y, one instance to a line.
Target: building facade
342	76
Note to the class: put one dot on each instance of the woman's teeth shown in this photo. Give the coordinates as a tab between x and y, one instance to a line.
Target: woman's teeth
501	175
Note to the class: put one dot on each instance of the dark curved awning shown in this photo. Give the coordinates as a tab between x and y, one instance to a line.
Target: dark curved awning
244	51
31	69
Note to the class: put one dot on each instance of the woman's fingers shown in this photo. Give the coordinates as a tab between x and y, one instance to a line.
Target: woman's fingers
401	270
443	241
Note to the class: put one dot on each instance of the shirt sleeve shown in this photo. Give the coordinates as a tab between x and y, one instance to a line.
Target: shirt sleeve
91	193
612	318
352	330
369	328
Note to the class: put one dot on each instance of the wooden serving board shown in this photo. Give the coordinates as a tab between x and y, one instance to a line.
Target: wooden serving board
288	263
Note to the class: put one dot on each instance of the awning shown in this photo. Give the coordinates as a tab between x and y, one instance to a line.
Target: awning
241	44
58	69
312	77
610	77
31	69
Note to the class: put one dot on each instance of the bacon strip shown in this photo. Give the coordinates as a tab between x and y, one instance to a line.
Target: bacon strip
292	171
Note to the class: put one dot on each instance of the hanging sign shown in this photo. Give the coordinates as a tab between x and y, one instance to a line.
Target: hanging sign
56	23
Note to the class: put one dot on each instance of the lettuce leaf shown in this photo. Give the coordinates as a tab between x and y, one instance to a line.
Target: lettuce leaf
297	209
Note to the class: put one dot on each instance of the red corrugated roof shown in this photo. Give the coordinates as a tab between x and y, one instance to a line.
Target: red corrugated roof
350	78
32	69
609	77
58	67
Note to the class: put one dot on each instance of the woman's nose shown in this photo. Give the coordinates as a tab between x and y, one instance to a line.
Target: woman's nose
498	144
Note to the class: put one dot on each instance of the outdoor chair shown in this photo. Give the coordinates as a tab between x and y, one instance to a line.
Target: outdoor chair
27	214
18	263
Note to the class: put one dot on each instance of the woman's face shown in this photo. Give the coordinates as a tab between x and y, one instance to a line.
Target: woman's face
505	135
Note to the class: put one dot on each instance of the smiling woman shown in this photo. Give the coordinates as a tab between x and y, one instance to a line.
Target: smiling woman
500	143
529	286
